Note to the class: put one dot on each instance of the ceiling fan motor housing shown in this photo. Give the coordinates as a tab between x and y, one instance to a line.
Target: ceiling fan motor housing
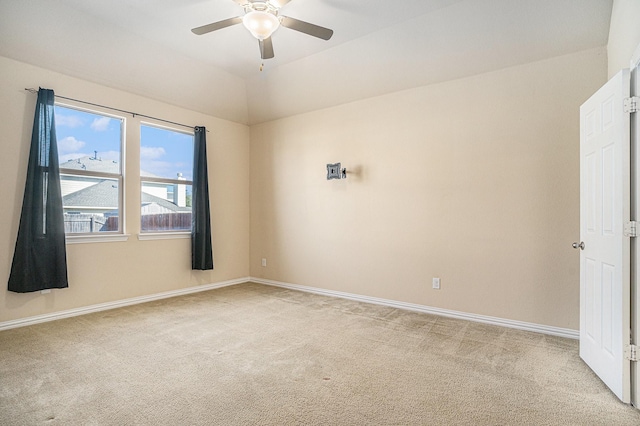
261	19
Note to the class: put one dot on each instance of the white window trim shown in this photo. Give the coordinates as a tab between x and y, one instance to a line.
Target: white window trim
167	235
94	238
111	236
163	235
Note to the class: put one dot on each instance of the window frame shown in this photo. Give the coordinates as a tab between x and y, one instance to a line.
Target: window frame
104	236
159	234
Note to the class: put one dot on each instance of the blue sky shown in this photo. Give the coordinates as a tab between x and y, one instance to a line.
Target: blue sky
166	153
163	152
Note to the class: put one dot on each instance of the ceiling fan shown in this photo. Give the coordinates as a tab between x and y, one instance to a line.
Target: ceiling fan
262	19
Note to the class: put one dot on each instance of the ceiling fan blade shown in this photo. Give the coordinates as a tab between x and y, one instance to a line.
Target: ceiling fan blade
216	26
307	28
242	2
266	48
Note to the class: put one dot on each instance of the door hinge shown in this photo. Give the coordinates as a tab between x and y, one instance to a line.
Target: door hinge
630	229
631	353
631	104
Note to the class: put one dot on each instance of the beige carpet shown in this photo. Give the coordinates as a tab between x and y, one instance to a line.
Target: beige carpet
258	355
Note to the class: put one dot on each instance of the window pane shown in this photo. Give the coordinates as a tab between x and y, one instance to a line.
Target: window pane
89	147
90	204
87	141
165	153
165	207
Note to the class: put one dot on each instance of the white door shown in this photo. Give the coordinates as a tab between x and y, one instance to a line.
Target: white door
605	257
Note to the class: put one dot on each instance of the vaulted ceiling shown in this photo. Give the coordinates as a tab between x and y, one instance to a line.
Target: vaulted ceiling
379	46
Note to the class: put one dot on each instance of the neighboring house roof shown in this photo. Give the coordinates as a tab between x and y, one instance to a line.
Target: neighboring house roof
93	164
105	195
149	199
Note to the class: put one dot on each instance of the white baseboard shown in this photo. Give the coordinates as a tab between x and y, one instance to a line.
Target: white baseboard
117	304
537	328
520	325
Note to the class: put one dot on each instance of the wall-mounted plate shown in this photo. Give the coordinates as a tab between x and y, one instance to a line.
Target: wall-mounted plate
333	171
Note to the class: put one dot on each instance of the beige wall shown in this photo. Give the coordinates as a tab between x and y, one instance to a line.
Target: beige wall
104	272
624	34
475	181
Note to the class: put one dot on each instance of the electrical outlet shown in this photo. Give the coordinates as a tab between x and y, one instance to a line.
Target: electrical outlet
264	262
436	283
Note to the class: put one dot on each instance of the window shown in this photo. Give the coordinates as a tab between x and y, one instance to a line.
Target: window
90	157
166	168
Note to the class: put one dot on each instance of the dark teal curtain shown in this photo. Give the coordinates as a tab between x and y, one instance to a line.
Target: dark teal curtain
201	249
40	258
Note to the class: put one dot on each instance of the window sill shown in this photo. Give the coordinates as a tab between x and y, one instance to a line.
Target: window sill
82	239
163	236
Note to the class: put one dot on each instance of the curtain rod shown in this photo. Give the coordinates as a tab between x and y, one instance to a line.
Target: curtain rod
32	90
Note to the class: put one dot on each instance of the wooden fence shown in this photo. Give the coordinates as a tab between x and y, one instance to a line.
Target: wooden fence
85	223
166	222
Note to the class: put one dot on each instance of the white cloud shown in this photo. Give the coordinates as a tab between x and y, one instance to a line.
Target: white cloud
163	169
100	124
151	152
70	144
71	121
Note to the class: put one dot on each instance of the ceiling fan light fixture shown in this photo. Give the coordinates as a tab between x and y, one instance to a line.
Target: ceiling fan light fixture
262	19
261	24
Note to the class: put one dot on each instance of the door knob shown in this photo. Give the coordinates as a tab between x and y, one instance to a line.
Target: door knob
580	246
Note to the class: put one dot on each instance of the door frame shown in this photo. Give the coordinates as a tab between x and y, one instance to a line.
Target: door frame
634	140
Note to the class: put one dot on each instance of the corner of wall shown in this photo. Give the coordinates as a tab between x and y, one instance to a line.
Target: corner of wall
624	34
